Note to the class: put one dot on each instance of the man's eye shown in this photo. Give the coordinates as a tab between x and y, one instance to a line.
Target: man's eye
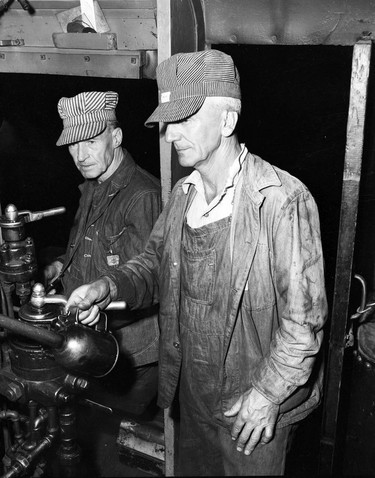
183	121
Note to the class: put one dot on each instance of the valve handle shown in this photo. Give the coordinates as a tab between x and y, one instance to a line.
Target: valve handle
37	215
39	299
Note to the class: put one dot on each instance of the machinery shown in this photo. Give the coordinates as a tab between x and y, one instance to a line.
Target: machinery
47	358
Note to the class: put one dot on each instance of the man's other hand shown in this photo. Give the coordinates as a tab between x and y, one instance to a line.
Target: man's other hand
255	421
90	299
51	272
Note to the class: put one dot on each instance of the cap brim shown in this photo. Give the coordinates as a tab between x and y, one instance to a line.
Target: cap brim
175	110
81	132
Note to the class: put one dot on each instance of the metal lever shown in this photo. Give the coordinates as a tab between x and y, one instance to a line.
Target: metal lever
363	306
359	314
36	216
39	299
96	405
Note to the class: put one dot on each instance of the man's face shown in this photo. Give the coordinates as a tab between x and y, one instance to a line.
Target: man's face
94	157
197	138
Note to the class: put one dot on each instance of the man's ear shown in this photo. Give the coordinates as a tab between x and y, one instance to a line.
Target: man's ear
230	121
117	137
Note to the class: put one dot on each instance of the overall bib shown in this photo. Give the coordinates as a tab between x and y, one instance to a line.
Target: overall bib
205	274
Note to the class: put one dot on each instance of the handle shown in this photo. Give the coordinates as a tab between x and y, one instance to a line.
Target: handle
39	299
101	326
36	216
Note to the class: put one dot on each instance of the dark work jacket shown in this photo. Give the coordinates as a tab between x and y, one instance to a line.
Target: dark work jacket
112	225
277	302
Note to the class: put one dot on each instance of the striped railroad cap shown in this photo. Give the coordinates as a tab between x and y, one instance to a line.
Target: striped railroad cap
186	79
85	115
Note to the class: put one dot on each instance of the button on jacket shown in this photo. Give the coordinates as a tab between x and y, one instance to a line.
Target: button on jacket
112	224
277	303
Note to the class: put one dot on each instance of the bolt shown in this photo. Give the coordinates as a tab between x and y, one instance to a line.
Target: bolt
63	397
82	384
28	257
13	392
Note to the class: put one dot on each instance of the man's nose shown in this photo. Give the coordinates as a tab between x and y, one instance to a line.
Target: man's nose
81	151
171	133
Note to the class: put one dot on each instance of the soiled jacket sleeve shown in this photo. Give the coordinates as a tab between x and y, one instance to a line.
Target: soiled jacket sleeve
139	221
298	272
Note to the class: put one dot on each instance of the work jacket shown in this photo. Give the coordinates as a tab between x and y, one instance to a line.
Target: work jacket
277	303
112	224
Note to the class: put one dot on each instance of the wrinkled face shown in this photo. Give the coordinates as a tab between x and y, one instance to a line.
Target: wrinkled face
197	138
94	157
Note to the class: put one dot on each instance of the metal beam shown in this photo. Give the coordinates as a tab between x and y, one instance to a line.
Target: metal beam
288	22
345	251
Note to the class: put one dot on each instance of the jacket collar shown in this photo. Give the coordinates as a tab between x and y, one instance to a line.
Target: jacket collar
119	179
258	175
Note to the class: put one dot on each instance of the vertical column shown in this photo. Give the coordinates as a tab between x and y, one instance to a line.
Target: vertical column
345	251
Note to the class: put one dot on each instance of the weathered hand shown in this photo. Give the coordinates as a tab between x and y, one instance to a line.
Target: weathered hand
90	299
255	422
52	271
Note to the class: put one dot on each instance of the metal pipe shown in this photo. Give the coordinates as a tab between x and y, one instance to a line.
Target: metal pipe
24	462
4	305
39	334
36	427
8	289
53	419
16	421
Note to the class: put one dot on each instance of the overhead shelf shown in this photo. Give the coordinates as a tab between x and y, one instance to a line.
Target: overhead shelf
78	62
39	42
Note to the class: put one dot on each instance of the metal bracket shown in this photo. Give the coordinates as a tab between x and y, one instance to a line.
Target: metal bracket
15	42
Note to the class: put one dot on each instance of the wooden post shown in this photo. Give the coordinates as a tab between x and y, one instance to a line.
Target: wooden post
345	251
180	29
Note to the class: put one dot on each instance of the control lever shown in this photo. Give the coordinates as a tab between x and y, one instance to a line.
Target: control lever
96	405
37	215
39	299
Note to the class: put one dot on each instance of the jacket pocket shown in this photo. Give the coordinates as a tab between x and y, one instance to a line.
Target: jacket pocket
111	241
114	248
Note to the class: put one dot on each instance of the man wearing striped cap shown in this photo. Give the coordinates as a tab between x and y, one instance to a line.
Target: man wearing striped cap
237	257
119	205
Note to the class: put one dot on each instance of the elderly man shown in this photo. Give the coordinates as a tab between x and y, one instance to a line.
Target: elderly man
119	205
236	256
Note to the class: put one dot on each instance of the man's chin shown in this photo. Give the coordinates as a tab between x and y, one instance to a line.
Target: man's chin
184	160
87	174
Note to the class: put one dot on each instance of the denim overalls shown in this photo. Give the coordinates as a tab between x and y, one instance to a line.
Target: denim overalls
205	272
206	448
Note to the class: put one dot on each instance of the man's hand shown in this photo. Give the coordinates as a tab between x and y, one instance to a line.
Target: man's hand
255	422
51	272
90	299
